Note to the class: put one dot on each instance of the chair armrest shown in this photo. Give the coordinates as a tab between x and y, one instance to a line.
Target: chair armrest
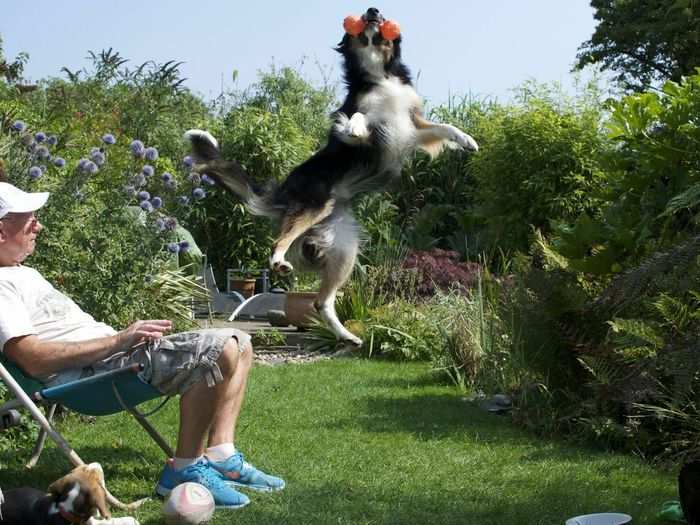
103	377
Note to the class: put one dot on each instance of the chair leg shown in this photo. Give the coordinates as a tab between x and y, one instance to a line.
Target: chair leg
141	418
155	435
41	440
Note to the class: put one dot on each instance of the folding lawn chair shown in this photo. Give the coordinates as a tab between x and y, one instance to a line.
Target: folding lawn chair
101	394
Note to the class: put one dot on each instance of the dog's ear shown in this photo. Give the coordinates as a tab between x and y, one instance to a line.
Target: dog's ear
91	492
99	496
63	486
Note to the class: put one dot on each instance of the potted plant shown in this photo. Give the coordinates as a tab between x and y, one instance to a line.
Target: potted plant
299	306
244	285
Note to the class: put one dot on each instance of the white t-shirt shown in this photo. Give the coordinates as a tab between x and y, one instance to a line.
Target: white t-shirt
30	305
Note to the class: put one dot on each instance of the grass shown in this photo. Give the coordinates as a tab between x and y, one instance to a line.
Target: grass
365	442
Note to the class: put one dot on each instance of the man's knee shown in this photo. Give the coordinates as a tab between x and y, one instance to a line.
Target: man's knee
235	355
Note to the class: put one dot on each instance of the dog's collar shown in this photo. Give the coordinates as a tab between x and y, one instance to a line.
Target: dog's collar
69	516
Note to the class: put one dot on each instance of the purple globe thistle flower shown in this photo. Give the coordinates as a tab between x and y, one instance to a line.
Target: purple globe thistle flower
52	140
40	136
187	161
90	168
18	125
173	247
199	194
148	170
160	224
109	139
171	184
130	190
144	196
146	206
157	202
42	152
138	180
59	162
151	154
208	180
171	223
184	246
183	199
82	163
98	158
194	178
137	148
35	172
166	177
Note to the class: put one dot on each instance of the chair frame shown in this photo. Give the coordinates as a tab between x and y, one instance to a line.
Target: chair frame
32	401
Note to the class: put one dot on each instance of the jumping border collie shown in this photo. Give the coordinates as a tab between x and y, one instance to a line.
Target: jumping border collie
379	125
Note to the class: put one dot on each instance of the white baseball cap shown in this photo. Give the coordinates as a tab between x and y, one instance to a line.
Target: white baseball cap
14	200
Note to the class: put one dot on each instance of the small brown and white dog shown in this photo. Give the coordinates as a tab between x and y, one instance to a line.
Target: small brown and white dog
78	497
377	128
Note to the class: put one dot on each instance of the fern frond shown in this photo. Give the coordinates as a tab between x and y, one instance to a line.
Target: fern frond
636	329
690	198
551	256
673	311
632	284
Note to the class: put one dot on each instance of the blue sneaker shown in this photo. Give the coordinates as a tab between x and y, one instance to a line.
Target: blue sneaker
202	473
242	474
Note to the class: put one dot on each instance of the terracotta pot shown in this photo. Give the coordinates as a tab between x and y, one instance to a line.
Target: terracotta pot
245	287
299	308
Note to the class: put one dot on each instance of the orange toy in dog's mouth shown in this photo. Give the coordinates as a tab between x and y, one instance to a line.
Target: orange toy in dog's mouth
354	25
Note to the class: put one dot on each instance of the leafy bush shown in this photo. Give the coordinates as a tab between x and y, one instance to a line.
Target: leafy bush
539	164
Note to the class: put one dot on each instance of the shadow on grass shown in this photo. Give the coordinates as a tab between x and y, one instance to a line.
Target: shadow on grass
119	464
430	417
441	415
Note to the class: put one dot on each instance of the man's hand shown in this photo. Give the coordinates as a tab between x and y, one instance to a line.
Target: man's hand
141	331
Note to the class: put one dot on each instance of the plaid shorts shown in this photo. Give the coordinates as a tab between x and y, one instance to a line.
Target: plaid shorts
176	362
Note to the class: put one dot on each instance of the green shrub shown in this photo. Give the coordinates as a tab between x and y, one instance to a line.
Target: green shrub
540	164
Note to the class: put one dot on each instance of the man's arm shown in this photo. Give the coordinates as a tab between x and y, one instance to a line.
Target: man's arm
42	358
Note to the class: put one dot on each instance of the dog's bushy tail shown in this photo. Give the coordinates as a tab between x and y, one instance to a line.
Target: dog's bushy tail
229	174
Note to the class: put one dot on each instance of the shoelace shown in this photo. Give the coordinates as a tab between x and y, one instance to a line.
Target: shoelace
212	478
246	468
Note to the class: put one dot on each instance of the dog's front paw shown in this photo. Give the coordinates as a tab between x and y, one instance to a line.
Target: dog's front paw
351	130
281	266
351	340
463	140
357	126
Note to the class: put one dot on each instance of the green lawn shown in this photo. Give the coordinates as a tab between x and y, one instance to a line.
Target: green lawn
368	442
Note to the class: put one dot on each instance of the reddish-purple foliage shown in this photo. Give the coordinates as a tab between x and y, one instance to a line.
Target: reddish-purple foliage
441	269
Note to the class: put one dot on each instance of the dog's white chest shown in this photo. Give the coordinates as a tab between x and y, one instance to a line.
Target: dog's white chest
390	106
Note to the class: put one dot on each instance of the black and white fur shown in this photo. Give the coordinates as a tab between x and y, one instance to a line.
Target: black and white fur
377	128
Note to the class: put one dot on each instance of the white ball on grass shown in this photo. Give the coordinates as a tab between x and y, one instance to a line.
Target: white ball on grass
189	504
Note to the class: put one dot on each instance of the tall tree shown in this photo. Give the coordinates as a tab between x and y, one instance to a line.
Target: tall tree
644	42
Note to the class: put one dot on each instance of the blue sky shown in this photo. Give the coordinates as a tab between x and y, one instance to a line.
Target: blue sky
459	47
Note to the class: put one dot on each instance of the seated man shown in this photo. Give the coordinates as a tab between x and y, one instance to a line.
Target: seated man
53	340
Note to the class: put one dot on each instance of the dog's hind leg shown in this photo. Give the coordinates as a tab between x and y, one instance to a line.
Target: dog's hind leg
338	263
293	226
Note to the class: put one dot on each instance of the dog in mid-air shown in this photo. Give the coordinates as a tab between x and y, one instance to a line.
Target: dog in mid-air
379	125
78	497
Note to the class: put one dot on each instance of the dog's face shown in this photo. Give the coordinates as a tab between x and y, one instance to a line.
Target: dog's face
369	51
81	493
